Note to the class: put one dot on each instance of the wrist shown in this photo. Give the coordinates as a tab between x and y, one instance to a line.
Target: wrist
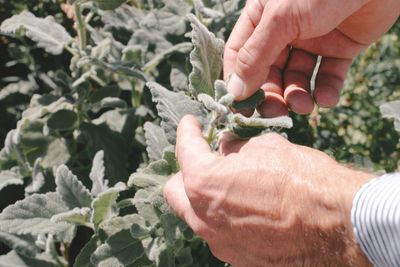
351	182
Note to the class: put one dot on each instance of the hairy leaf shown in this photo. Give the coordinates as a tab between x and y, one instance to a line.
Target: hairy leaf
172	106
109	4
173	227
32	215
254	121
16	260
79	216
392	110
62	120
46	32
100	137
206	59
22	244
102	204
120	249
83	258
22	87
37	178
99	185
156	141
211	104
251	102
116	224
9	177
72	191
117	67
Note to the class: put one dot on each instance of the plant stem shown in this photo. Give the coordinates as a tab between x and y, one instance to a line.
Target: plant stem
81	27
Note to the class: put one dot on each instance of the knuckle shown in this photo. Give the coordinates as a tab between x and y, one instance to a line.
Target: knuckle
246	59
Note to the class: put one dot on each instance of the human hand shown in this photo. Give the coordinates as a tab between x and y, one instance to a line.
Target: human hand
258	52
265	202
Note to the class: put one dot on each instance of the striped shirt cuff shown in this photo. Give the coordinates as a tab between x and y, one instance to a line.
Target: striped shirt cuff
375	216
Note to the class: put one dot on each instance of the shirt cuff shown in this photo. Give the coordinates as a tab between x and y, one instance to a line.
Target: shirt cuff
375	217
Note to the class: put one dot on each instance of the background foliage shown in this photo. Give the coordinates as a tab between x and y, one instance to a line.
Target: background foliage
83	147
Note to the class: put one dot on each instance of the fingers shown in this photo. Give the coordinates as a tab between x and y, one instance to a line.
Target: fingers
191	147
175	196
329	81
268	34
274	105
297	78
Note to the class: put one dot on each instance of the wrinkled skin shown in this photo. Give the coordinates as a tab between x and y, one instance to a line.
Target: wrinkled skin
266	201
259	55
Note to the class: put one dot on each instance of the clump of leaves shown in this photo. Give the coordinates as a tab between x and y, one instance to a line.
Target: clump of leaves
56	125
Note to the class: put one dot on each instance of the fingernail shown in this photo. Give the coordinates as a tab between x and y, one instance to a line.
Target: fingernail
236	86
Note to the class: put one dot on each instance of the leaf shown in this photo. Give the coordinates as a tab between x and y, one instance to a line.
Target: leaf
21	87
144	207
103	92
172	106
211	104
184	256
254	121
173	227
79	216
119	67
38	179
102	204
109	4
246	132
46	32
156	141
22	244
139	229
120	249
392	110
57	153
32	215
97	174
15	260
83	258
155	174
62	120
206	59
116	224
251	102
100	137
9	177
182	48
72	191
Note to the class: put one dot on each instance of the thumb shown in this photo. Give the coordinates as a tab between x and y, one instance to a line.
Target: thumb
259	36
190	144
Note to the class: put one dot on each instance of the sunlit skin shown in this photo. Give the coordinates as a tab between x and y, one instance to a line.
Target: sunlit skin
266	201
258	48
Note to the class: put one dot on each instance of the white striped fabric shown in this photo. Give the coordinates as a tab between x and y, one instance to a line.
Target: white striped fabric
375	216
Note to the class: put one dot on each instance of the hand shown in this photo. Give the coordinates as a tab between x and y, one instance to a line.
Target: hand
265	202
258	52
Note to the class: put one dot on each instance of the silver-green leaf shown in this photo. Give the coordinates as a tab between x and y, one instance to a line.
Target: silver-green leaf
206	58
46	32
72	191
102	204
120	249
33	214
156	141
172	106
9	177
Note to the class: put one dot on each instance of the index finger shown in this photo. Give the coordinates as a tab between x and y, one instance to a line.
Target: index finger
243	29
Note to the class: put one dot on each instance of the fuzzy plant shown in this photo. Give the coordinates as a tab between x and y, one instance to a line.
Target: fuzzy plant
87	115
